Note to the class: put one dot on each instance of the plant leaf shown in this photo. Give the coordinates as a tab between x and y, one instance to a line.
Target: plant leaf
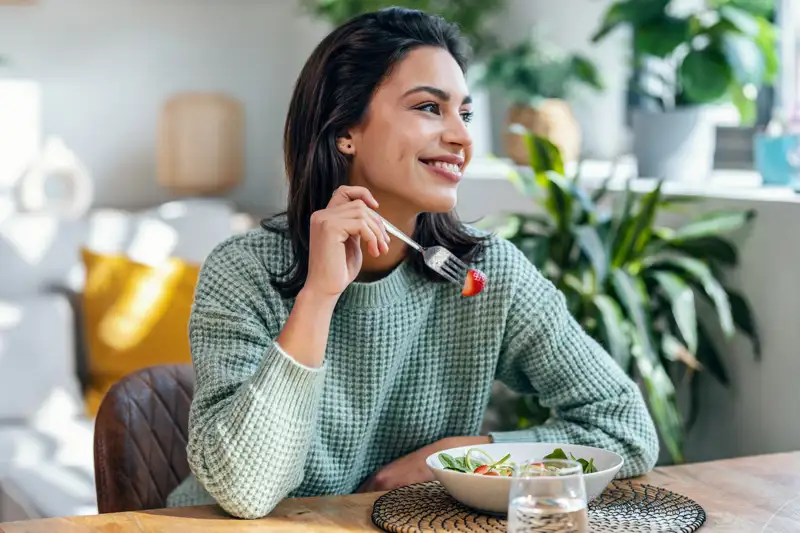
620	225
766	40
693	379
544	155
661	37
747	107
612	319
714	224
709	249
633	298
703	275
674	350
584	70
681	298
638	233
705	75
744	320
628	11
745	58
601	191
660	394
536	249
710	358
590	242
740	19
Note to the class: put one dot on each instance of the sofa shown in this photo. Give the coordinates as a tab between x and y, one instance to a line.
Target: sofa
46	433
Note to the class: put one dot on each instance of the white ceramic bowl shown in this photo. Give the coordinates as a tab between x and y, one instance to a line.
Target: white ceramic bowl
490	493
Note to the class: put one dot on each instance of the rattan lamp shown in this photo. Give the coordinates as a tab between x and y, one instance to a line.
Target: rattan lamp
201	144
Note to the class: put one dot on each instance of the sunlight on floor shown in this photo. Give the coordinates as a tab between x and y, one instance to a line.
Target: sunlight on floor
108	230
60	417
10	315
173	210
31	236
153	242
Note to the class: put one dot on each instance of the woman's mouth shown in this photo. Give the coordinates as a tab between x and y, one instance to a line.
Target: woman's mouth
445	169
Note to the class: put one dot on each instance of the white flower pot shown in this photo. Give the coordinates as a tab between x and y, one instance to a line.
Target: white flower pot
675	145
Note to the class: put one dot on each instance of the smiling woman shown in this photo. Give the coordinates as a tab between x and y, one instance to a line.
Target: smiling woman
328	359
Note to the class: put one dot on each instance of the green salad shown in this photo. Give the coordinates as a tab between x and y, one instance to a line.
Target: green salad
477	461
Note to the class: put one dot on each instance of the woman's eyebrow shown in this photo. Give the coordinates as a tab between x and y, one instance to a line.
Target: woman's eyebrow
439	93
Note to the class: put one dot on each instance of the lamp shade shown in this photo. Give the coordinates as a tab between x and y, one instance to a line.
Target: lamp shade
201	144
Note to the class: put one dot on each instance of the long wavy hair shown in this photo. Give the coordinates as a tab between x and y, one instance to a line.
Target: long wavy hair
331	96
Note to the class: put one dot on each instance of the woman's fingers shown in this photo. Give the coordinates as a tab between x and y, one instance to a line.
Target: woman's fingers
365	230
357	209
348	193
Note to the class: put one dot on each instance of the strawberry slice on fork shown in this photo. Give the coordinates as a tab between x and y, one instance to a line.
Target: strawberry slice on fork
475	282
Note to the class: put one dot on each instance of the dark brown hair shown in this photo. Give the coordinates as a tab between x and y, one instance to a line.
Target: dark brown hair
331	96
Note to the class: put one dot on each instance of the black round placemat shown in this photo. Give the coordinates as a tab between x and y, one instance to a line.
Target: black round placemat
624	507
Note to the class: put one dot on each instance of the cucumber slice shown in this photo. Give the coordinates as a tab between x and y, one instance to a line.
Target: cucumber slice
476	457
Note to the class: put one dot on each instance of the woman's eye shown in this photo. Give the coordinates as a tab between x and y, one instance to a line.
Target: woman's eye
431	108
466	116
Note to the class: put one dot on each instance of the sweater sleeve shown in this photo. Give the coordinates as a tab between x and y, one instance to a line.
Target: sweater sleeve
593	401
254	407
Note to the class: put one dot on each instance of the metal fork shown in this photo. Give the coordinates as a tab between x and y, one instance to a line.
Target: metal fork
437	258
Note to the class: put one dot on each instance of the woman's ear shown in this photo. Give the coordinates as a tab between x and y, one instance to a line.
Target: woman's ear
345	145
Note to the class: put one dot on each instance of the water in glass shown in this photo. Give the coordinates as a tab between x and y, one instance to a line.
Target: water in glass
548	496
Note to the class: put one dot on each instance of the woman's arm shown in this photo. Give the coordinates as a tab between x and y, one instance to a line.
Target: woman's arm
595	403
259	377
254	405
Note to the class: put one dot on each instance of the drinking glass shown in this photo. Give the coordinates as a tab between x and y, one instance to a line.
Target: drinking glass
548	496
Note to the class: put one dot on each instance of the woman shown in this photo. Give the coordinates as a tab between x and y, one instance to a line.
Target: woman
328	358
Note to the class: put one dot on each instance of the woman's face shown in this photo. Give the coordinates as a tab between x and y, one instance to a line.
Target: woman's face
413	145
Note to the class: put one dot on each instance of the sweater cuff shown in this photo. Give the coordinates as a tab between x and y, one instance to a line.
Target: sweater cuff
287	388
534	434
285	354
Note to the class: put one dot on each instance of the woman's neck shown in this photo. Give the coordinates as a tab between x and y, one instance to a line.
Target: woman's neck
374	268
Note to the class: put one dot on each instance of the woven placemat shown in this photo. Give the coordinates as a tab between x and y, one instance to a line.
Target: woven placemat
624	507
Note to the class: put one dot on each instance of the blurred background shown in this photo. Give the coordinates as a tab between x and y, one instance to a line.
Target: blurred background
642	153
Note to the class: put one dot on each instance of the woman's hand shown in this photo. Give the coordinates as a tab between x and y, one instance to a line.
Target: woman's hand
334	257
412	468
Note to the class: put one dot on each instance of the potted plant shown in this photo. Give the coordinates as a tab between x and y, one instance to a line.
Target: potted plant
537	78
473	17
714	52
633	285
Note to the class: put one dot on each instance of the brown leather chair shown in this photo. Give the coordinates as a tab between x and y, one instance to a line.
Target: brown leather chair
140	438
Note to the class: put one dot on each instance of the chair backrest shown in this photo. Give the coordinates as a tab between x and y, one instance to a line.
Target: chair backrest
140	438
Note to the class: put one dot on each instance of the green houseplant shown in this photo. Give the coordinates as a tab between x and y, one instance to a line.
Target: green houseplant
633	285
470	15
537	78
684	60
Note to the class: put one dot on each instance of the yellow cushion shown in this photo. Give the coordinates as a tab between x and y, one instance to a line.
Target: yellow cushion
134	316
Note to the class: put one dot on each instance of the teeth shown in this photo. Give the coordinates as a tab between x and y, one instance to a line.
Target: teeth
450	167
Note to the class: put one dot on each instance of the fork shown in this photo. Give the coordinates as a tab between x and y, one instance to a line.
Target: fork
437	258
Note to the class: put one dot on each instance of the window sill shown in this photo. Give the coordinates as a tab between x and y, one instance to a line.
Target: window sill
722	184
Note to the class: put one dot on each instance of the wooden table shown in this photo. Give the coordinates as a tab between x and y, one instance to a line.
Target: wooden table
759	494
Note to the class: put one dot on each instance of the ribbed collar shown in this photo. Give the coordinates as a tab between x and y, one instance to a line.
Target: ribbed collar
387	290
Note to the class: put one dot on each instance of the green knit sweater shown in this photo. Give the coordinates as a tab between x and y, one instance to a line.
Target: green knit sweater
408	362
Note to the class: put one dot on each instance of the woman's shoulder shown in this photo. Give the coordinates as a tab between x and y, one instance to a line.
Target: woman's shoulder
254	253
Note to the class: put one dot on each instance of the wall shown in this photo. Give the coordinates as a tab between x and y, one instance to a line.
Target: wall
104	68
